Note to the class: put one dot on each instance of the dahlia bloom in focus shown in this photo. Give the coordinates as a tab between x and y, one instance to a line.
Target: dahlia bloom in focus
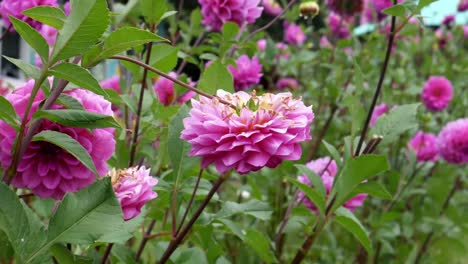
133	189
271	7
338	26
261	131
112	83
453	142
437	93
326	168
46	169
378	111
247	72
424	146
15	8
286	82
217	12
346	7
294	35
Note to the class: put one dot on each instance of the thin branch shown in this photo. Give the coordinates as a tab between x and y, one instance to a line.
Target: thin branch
144	240
107	253
192	198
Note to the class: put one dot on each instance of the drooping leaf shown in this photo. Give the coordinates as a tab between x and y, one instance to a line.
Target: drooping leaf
79	76
87	22
260	244
8	113
32	37
215	77
348	221
312	194
255	208
69	144
29	69
77	118
333	152
49	15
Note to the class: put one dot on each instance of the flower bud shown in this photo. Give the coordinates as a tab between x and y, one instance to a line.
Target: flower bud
309	9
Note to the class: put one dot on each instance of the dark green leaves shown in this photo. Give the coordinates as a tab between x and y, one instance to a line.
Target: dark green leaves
48	15
215	77
396	122
255	208
313	194
77	118
260	244
153	10
29	69
8	114
69	144
347	220
87	22
396	10
32	37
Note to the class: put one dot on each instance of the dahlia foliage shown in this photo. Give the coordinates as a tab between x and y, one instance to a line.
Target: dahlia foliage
233	131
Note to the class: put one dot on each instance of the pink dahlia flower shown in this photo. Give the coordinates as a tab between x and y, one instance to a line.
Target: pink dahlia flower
164	88
271	7
424	146
112	83
326	168
247	72
261	44
294	35
15	8
462	6
46	169
379	110
261	131
346	7
437	93
286	82
133	189
453	141
217	12
338	26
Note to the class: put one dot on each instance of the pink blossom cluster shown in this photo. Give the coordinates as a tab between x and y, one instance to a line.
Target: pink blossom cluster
271	7
338	26
373	10
287	83
217	12
346	7
46	169
326	168
293	34
424	146
261	130
164	88
452	141
246	73
15	9
437	93
133	189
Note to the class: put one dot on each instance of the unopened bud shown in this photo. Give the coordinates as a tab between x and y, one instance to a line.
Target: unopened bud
309	9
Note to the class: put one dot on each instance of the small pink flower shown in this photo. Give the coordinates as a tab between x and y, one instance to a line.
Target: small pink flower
133	189
217	12
373	9
4	89
448	20
247	72
271	7
379	110
112	83
326	168
452	141
462	6
338	26
261	131
50	171
15	8
294	35
286	82
261	44
425	146
437	93
164	88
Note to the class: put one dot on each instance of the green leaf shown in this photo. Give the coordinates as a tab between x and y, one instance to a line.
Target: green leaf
191	255
29	69
260	244
49	15
311	193
153	10
6	250
85	216
64	256
215	77
177	148
315	179
424	3
164	58
8	113
87	22
229	30
79	76
372	188
255	208
69	144
347	220
69	102
333	152
77	118
396	122
396	10
357	113
355	171
32	37
119	41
